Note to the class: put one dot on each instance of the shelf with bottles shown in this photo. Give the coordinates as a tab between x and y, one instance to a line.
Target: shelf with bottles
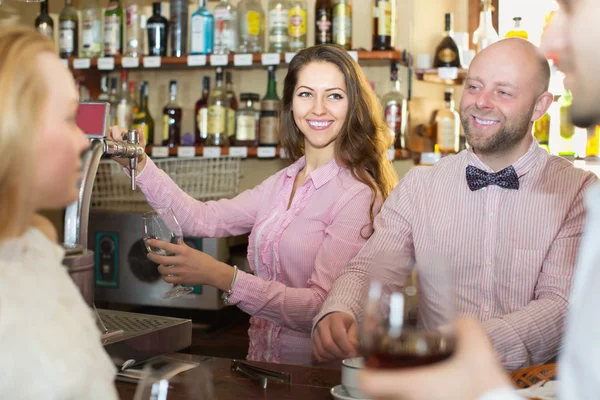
214	60
261	152
446	76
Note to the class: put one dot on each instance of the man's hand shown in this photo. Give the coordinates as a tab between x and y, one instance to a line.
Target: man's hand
472	371
335	337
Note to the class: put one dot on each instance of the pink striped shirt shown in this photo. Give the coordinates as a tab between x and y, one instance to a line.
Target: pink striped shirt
295	253
512	252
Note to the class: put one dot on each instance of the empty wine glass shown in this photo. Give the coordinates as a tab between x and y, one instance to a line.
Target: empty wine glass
162	224
410	325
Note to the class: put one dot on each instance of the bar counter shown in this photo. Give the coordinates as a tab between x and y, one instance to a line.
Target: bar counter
308	383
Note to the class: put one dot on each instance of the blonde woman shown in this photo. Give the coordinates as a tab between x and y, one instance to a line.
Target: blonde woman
49	344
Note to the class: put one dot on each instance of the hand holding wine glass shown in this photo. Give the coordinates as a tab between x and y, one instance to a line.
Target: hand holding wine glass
162	224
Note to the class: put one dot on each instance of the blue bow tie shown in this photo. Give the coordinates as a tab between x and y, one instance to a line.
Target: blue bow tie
478	179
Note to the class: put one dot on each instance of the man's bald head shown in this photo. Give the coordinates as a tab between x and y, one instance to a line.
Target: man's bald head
524	54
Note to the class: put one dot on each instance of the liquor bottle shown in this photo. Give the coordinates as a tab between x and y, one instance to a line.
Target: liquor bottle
171	133
251	23
43	22
125	104
113	29
567	129
298	18
342	23
202	26
485	34
133	33
269	113
225	36
91	29
593	136
134	99
233	106
247	120
157	27
447	124
217	113
396	109
201	113
104	95
278	26
143	34
178	27
113	99
384	24
541	131
68	31
517	31
447	53
323	22
142	118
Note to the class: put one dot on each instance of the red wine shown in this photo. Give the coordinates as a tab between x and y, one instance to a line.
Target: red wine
410	349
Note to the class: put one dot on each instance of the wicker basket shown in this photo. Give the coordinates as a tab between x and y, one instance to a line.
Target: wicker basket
202	178
529	376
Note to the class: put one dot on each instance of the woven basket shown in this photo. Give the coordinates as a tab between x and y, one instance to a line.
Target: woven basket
529	376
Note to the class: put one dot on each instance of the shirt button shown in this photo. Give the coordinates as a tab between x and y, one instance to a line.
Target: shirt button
491	214
486	308
489	262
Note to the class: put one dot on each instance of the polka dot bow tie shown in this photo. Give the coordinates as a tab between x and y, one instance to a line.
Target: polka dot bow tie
478	179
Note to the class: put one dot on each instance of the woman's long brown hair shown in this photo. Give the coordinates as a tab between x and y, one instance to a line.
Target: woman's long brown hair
363	141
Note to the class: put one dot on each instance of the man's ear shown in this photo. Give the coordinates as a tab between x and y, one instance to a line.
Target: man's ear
542	104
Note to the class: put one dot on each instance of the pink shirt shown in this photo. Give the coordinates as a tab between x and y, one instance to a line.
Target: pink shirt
295	253
512	252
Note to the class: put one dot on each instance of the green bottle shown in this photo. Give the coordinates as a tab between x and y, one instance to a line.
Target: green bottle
142	118
269	113
113	29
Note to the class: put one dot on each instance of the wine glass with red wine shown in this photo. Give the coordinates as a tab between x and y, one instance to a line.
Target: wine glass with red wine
409	325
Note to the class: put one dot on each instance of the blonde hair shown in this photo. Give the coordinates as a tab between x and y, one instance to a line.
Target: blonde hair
23	95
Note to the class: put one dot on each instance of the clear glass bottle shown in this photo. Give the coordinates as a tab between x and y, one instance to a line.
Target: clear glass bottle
142	118
447	53
201	113
217	113
172	115
342	23
323	20
233	106
447	124
485	34
104	94
298	19
247	120
251	26
269	113
517	31
68	31
91	29
225	36
202	26
178	27
158	30
113	99
133	33
125	103
113	29
278	26
43	22
396	109
384	24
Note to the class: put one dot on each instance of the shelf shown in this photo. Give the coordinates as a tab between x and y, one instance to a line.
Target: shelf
446	76
196	61
242	152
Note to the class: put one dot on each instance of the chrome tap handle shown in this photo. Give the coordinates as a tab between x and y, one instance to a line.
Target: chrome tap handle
128	149
133	139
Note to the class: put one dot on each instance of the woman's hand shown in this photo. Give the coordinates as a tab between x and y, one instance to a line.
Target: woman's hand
189	266
115	133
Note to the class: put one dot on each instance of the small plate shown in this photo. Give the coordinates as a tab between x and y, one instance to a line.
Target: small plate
338	392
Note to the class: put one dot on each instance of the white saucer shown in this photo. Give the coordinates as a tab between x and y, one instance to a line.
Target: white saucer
338	392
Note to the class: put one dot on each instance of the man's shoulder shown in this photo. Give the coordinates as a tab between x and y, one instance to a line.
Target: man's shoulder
444	169
559	169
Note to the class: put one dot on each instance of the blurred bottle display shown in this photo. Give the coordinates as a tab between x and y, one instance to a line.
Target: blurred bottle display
517	31
567	129
158	30
251	25
278	26
342	23
43	22
143	120
297	20
323	22
68	31
247	121
233	106
384	24
217	113
202	26
91	29
269	113
201	113
485	34
178	27
541	131
396	109
133	31
225	34
125	103
113	29
447	123
172	115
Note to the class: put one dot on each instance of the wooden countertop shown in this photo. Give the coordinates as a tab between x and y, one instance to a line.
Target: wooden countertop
308	383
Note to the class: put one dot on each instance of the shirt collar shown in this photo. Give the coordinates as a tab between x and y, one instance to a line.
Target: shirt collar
523	164
319	176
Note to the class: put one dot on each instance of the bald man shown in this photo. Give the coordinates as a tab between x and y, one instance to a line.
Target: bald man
504	215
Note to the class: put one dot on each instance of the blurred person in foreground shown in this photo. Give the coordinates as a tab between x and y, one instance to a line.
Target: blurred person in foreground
49	343
473	372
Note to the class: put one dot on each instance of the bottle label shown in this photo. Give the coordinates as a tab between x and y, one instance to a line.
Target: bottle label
297	22
323	22
384	21
66	38
230	122
268	130
447	135
197	35
253	22
46	30
447	55
156	32
342	24
224	32
393	117
112	35
202	122
165	133
217	119
269	105
246	128
131	15
222	14
90	35
278	19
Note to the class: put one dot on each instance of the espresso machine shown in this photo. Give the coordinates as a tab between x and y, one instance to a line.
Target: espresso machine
127	337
